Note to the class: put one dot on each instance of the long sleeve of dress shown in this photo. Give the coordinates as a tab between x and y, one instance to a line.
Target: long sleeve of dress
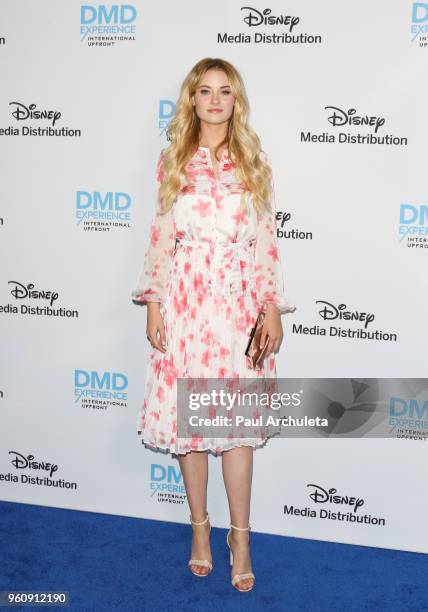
151	282
269	276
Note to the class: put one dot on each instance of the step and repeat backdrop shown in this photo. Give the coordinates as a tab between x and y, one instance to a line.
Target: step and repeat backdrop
338	97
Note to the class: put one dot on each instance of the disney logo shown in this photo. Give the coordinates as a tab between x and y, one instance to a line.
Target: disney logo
255	18
321	496
22	462
283	217
23	112
341	117
330	312
21	291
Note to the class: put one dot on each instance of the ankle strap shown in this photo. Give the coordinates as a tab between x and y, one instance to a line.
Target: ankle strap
241	528
202	522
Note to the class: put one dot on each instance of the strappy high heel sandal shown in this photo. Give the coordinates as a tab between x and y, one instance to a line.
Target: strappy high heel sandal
238	577
201	562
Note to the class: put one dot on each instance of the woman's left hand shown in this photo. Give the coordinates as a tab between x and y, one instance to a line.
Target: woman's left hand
272	327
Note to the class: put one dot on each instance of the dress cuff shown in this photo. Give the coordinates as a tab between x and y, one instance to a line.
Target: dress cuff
145	298
283	306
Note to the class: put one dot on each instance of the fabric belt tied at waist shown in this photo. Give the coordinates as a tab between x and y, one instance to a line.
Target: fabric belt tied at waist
221	278
209	244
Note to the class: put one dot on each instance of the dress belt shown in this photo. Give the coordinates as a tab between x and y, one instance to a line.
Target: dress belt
211	244
217	250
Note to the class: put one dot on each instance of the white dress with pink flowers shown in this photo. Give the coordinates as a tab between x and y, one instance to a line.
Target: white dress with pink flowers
212	263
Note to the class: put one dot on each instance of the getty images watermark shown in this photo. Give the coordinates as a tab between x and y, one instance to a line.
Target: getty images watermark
295	407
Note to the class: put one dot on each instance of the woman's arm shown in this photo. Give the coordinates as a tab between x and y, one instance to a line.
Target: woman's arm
269	276
151	282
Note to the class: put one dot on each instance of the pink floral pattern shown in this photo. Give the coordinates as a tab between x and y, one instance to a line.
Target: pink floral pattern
212	263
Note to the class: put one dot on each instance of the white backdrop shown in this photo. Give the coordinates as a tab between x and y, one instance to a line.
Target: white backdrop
343	205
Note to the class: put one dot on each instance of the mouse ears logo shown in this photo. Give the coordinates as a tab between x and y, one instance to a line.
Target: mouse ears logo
419	23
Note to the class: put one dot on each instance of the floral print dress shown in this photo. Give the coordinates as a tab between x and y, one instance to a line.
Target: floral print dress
212	264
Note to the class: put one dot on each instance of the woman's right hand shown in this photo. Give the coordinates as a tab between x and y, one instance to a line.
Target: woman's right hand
155	324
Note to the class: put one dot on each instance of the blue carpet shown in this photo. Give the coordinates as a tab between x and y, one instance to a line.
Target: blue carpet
112	563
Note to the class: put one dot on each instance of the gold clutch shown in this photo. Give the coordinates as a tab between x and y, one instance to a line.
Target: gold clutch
253	350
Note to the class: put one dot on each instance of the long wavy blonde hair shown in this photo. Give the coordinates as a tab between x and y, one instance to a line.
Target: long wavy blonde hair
242	142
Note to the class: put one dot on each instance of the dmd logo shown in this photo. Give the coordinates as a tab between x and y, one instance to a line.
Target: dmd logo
419	24
166	483
103	211
408	418
166	113
103	25
414	225
100	390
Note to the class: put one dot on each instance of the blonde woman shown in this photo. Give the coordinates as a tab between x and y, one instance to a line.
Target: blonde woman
211	266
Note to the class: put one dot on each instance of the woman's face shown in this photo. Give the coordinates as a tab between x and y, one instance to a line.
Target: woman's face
214	92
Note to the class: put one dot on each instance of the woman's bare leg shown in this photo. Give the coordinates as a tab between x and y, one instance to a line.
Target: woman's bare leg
237	466
194	467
